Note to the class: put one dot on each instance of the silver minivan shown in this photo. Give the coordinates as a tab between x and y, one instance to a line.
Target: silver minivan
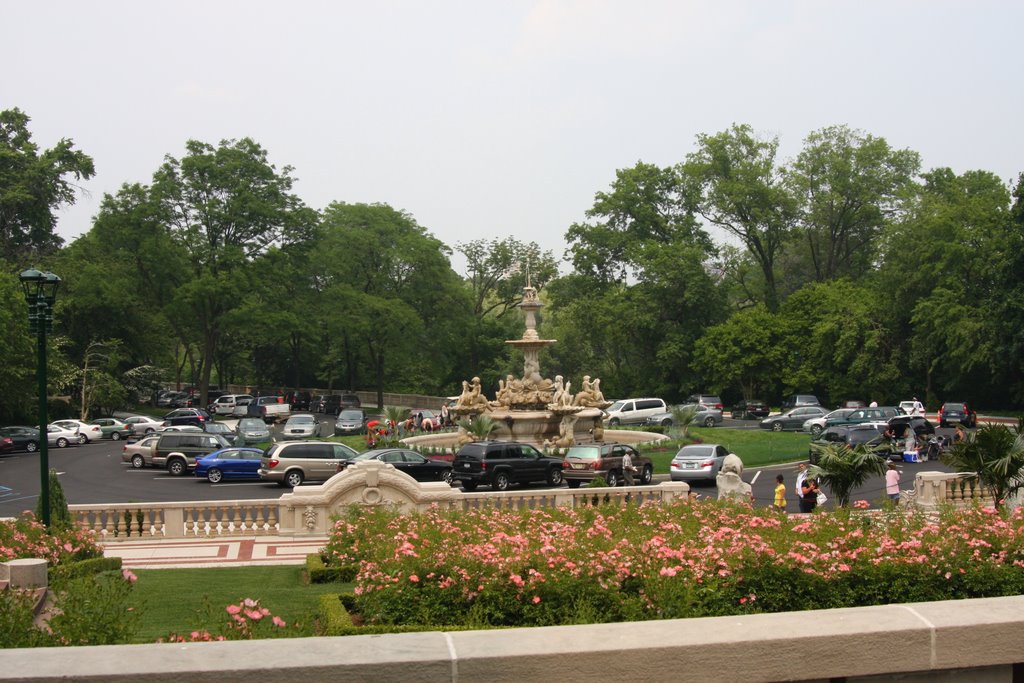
289	463
634	410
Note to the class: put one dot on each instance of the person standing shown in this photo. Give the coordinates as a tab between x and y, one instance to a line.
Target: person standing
808	495
801	477
892	483
627	468
446	420
780	493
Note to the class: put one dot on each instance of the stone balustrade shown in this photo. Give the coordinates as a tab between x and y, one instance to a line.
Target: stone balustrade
309	509
934	489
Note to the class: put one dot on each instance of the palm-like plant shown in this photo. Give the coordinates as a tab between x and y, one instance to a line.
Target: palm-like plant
843	469
682	420
395	415
995	455
480	427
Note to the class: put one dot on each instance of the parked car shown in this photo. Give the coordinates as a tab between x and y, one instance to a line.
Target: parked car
269	408
920	425
816	425
61	437
750	409
350	401
410	462
186	416
166	399
253	430
586	462
112	428
225	405
913	407
709	400
634	410
953	412
697	462
177	451
22	438
350	421
87	433
213	427
880	414
499	464
142	424
298	400
793	418
706	416
851	436
140	454
181	428
799	401
229	463
304	426
289	463
855	403
241	408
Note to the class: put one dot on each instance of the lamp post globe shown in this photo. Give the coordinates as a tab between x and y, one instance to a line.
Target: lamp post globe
40	293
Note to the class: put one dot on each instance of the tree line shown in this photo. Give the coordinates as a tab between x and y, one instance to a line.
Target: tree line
848	271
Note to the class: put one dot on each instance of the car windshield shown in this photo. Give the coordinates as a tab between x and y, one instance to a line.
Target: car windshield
368	455
252	423
350	415
584	452
695	452
615	406
301	420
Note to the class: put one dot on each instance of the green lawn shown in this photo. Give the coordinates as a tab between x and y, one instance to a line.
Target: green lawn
180	600
756	447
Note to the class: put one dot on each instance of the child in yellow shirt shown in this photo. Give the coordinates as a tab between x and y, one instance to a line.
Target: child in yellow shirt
780	494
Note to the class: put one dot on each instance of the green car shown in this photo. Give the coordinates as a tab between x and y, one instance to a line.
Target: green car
113	428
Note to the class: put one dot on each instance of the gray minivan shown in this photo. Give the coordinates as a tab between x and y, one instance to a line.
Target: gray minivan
634	410
289	463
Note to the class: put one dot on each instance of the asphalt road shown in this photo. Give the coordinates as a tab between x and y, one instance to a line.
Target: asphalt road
93	473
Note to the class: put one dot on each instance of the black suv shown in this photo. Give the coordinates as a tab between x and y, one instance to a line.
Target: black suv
750	409
187	416
922	427
178	450
499	464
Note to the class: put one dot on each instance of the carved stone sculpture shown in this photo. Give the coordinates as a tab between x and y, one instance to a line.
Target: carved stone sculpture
590	395
729	480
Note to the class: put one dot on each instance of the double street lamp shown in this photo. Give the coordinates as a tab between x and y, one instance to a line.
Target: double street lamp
40	293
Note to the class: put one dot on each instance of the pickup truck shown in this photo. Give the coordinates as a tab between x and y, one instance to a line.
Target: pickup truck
269	408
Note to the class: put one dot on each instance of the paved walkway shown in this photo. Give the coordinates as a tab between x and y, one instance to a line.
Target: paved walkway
214	552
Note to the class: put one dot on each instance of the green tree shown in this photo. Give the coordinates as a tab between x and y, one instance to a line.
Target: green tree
994	454
848	184
843	469
33	185
747	351
733	182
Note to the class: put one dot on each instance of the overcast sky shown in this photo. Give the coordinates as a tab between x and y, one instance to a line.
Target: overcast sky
483	118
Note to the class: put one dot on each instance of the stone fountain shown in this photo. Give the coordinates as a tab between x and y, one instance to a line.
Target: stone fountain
532	408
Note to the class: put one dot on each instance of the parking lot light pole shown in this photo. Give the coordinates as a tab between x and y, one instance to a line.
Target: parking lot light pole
40	292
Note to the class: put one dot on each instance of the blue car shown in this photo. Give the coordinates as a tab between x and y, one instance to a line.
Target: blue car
230	463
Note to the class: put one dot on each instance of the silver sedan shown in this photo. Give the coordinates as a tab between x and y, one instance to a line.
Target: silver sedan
704	417
302	426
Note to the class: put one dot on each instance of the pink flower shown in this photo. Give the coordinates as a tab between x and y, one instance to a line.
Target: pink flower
279	622
414	578
536	599
129	576
233	609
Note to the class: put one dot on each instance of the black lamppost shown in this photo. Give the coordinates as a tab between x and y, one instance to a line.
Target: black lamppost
40	293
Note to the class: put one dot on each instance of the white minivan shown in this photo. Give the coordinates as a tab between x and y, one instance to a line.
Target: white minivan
225	404
634	410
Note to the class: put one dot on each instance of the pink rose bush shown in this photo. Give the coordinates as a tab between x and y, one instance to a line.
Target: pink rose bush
562	566
24	537
245	620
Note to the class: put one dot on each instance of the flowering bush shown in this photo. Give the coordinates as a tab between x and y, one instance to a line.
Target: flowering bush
246	620
561	566
25	537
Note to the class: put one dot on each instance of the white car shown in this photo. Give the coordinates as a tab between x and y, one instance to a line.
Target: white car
87	433
301	426
912	408
60	436
225	405
817	424
141	424
241	408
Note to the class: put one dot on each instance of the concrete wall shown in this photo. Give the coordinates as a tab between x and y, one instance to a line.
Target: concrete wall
969	640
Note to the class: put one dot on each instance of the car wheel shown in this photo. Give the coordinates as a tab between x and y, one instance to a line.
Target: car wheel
293	478
31	446
82	439
469	485
667	422
612	478
116	436
815	430
555	476
709	422
62	442
573	483
150	430
448	476
647	475
138	462
214	475
614	422
501	482
177	467
777	427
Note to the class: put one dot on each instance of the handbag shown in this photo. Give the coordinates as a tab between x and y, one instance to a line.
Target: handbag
822	498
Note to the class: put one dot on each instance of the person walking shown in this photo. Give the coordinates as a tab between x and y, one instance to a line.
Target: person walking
780	493
892	483
627	468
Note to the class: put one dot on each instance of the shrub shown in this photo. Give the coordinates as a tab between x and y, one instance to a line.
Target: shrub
24	537
60	516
